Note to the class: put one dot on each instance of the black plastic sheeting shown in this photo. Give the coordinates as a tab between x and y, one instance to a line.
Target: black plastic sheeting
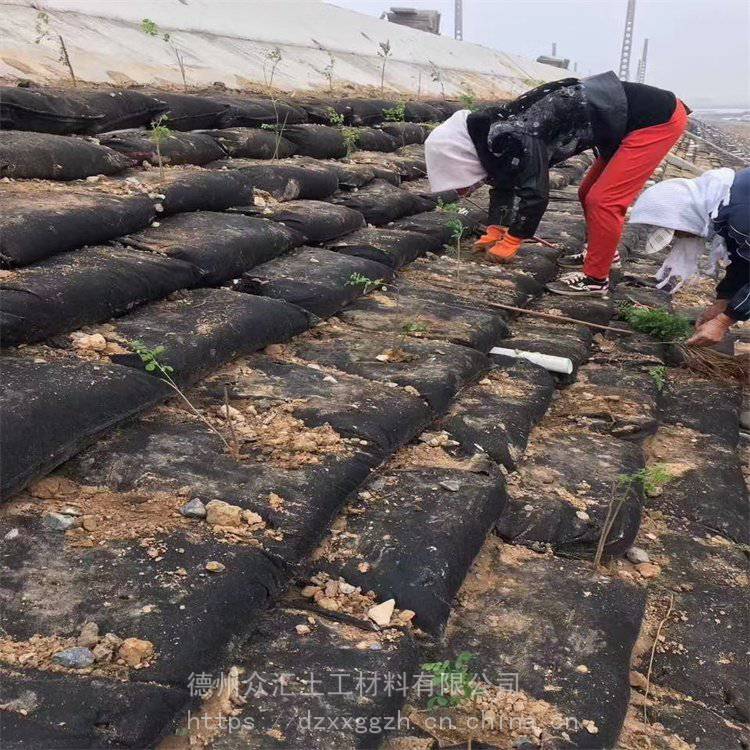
421	112
437	224
38	225
317	221
380	202
287	182
419	537
205	190
51	410
66	112
221	246
318	141
404	133
317	280
175	148
83	287
253	143
391	247
55	157
374	139
207	327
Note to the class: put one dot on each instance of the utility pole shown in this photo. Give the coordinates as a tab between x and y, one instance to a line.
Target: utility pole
554	49
642	63
627	42
458	20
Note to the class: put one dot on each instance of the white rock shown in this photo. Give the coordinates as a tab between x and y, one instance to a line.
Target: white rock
381	614
636	555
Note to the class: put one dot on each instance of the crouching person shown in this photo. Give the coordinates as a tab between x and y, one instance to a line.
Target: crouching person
511	147
687	213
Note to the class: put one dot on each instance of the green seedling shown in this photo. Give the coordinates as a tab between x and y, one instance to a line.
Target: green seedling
412	328
45	32
468	99
365	282
351	139
454	681
273	59
335	118
657	323
384	52
437	77
651	479
395	114
457	233
150	28
159	133
153	363
328	71
659	376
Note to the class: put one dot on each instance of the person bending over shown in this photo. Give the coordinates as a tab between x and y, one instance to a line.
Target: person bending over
631	127
687	213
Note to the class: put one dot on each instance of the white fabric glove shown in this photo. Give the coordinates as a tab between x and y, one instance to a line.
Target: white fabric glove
681	264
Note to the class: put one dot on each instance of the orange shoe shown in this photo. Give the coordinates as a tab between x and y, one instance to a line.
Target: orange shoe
505	250
493	234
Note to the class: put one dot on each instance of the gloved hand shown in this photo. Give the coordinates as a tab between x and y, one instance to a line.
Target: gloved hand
711	332
681	264
711	312
493	234
505	250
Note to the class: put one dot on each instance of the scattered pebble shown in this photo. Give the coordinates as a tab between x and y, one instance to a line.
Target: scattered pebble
135	652
61	522
215	567
648	570
193	509
636	555
74	658
582	668
583	515
89	635
12	534
381	614
302	629
452	485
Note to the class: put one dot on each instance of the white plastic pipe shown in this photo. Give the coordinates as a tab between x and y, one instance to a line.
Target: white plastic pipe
549	362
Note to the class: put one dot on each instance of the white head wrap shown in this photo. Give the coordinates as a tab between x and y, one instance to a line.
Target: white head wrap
452	161
686	205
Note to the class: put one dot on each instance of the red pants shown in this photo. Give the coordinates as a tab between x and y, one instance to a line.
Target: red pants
610	187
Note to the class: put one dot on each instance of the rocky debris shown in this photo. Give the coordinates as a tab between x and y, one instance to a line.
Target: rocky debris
213	566
135	652
381	614
74	658
636	555
194	509
61	521
89	635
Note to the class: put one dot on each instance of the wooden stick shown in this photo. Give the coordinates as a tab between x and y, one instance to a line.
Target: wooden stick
561	318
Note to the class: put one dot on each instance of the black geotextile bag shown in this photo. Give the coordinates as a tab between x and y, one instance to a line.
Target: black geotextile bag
85	286
437	224
175	148
44	112
391	247
363	111
189	112
252	113
51	410
380	202
55	157
318	141
374	139
418	534
205	328
445	108
253	143
405	167
421	112
404	133
121	109
287	182
317	221
37	225
204	190
315	279
222	246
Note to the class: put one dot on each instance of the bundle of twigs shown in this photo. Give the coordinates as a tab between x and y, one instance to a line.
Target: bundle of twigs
715	365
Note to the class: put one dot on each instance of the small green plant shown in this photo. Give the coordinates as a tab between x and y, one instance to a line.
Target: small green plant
273	59
351	139
437	77
651	479
454	681
328	71
336	119
457	233
395	114
152	362
44	32
367	284
657	323
412	328
159	133
150	28
468	99
659	376
384	52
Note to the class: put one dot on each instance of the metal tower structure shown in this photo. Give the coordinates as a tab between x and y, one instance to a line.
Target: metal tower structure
627	42
458	24
642	63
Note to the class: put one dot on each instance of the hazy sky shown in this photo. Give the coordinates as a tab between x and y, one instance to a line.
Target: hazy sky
698	48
